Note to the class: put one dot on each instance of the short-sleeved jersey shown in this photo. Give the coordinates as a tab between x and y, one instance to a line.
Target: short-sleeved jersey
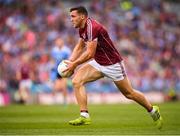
60	54
106	53
25	71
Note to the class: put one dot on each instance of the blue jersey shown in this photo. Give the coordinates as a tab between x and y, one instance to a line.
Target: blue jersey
60	54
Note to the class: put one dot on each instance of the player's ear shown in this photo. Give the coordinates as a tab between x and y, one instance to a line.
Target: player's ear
82	16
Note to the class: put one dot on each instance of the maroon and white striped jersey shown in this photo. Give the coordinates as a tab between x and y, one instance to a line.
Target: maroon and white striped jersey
106	53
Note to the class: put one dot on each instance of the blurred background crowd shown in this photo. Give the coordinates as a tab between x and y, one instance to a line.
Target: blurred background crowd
146	33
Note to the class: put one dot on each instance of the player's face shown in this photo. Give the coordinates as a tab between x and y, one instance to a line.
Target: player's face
76	19
59	42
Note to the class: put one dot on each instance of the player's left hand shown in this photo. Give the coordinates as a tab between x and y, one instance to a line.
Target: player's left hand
71	66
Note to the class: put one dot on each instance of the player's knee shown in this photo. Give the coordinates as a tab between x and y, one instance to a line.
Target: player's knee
76	82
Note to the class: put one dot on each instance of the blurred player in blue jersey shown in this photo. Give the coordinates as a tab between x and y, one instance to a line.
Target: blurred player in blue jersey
59	52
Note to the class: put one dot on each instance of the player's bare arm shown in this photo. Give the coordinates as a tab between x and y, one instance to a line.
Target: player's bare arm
87	55
77	51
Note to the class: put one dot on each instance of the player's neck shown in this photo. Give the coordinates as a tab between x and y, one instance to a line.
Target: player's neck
83	23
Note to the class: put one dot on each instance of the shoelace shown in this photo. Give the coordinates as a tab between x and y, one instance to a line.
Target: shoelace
78	119
156	116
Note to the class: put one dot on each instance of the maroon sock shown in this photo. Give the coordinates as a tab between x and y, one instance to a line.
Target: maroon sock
84	111
150	109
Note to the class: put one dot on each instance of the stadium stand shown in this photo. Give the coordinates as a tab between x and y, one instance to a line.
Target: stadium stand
146	33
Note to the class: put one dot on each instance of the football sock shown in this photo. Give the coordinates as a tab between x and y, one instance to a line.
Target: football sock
152	111
84	113
149	110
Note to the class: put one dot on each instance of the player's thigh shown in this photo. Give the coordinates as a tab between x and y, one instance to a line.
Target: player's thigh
124	86
86	73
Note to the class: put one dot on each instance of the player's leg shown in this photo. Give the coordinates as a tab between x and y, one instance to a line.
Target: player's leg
86	73
125	87
60	85
118	74
24	91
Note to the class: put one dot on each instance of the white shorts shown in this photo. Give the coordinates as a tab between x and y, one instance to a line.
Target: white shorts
25	84
115	72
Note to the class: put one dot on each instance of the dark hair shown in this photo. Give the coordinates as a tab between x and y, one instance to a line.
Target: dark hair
80	9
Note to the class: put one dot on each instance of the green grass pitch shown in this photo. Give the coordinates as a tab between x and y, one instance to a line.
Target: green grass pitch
117	119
